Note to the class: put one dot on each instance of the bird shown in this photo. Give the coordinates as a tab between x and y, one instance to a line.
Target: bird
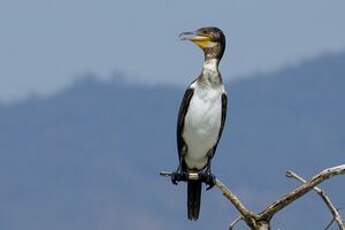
201	117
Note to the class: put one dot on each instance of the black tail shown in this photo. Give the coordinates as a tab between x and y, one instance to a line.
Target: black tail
193	199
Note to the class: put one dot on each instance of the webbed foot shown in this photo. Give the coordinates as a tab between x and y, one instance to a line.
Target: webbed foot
178	176
208	178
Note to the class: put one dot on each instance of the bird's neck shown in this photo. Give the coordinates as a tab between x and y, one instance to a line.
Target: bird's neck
210	73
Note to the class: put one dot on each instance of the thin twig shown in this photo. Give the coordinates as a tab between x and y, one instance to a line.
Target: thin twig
290	197
330	224
233	223
261	221
334	211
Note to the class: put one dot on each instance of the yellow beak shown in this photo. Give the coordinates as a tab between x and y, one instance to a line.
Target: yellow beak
203	41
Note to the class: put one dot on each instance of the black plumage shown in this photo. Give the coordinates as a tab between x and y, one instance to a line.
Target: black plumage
207	90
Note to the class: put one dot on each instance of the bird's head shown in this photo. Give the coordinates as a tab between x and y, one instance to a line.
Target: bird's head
210	39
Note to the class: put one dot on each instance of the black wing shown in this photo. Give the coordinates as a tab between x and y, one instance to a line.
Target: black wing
224	109
180	120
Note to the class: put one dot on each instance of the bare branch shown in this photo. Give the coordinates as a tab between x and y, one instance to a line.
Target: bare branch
165	173
245	212
262	220
330	224
191	176
248	216
325	198
233	223
288	198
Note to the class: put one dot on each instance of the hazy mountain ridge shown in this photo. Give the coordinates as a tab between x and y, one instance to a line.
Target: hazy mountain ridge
89	156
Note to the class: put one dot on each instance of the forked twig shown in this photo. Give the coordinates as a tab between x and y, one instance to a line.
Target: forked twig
262	220
334	211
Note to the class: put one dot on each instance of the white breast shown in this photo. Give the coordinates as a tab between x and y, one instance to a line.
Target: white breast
202	124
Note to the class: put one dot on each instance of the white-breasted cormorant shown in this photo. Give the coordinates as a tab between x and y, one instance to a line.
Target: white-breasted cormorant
201	117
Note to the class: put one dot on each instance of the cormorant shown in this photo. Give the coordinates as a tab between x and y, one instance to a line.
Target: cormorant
201	117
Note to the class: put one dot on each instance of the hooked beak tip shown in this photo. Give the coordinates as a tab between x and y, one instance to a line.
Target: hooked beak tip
186	35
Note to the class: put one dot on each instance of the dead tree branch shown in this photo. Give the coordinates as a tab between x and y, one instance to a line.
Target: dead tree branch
262	220
233	223
290	197
334	211
248	216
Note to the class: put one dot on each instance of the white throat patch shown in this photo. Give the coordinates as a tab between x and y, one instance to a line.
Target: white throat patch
210	66
210	69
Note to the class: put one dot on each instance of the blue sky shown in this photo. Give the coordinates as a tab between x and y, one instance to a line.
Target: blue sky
46	44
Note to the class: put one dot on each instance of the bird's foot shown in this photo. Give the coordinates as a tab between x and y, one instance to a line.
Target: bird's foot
178	176
208	178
